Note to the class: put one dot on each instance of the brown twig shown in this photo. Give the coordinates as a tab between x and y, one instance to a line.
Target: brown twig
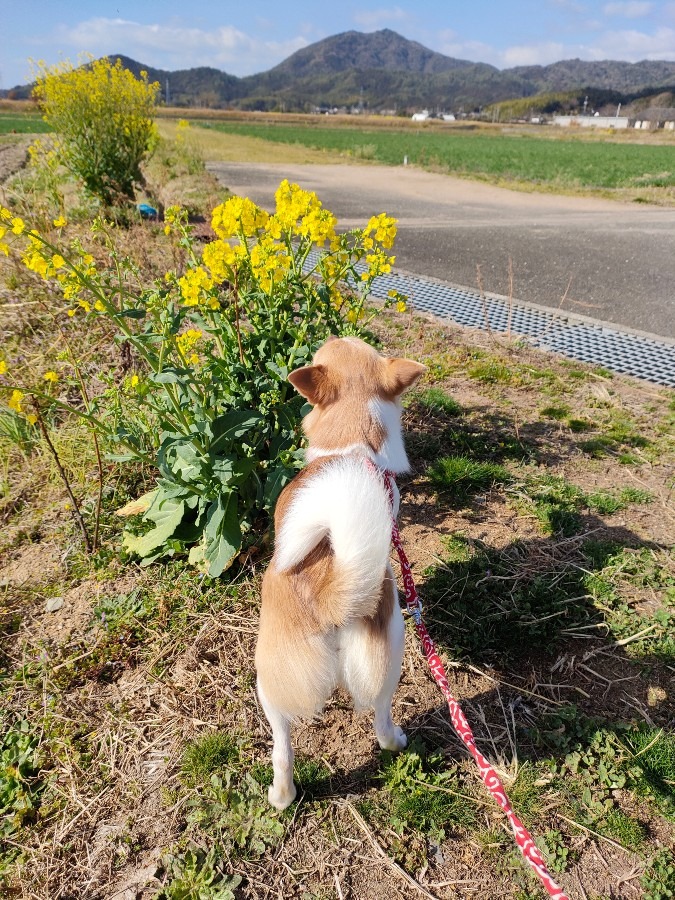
76	509
409	880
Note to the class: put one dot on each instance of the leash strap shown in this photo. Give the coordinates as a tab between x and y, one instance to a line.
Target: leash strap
490	778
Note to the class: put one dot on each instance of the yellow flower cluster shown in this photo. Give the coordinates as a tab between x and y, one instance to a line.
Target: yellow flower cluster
186	343
195	286
221	258
383	228
15	402
300	212
378	264
238	216
269	263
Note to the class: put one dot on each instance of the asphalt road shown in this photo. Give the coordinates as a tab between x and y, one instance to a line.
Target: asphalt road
614	261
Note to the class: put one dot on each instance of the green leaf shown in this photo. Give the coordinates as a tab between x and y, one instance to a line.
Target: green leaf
167	516
274	484
222	533
231	426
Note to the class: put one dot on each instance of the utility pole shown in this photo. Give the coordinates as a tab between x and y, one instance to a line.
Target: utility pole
166	93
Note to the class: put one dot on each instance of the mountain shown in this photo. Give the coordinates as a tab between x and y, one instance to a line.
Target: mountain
383	70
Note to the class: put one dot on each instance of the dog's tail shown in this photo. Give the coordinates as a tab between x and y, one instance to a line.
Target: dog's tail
346	502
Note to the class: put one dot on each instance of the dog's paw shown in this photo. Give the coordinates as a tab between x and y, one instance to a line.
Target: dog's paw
394	740
280	798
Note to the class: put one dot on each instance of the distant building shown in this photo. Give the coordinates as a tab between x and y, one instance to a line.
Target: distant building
421	116
592	121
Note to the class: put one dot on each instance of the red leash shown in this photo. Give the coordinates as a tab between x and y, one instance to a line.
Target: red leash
490	778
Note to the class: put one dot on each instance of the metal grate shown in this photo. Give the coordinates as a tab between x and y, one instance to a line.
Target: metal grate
580	339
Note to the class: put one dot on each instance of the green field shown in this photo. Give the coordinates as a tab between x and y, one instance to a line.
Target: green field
23	123
562	164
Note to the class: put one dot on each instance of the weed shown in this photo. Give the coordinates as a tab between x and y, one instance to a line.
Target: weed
555	502
20	785
457	549
311	775
234	813
123	610
462	477
555	412
195	875
526	793
556	852
623	828
210	754
490	371
659	878
423	793
437	401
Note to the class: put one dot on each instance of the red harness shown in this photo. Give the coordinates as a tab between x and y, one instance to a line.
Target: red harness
490	778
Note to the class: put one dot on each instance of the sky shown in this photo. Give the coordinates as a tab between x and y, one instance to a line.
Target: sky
248	37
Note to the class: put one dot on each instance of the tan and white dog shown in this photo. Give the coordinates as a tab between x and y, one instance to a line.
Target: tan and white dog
330	615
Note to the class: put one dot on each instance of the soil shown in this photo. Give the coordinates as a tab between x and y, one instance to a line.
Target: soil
13	156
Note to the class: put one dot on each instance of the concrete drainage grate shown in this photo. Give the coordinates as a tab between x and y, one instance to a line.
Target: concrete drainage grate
577	338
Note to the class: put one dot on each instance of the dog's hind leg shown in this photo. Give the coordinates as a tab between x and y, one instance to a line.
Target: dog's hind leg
391	736
282	790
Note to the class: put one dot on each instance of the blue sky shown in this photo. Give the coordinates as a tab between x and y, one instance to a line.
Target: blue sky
249	37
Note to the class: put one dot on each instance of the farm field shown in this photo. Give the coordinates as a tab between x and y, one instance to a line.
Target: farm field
538	516
22	123
522	160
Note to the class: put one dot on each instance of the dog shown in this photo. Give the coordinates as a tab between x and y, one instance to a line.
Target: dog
330	615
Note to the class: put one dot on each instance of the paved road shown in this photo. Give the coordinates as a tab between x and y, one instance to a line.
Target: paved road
617	259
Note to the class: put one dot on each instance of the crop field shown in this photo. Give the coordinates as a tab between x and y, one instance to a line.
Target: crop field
22	123
562	164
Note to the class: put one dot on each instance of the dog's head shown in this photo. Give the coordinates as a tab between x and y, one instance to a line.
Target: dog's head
355	394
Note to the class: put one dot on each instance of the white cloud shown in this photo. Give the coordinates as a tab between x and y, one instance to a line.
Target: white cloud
173	46
533	54
451	44
636	45
630	9
376	18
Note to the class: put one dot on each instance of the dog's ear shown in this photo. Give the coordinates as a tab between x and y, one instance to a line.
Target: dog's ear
402	374
313	383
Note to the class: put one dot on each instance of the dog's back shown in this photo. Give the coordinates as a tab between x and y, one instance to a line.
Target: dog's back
329	570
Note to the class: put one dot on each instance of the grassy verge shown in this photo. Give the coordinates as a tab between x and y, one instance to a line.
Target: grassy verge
538	517
607	168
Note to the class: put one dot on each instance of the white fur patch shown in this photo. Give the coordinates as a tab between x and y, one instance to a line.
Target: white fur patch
348	503
392	453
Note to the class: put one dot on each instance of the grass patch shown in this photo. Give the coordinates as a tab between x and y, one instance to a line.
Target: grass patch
211	754
438	402
463	477
492	155
423	793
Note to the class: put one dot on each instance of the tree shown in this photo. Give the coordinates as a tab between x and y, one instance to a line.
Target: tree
102	116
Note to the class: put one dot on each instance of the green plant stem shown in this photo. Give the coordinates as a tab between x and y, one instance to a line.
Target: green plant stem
74	505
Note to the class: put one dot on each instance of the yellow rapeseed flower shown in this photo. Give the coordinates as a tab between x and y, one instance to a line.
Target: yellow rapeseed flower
31	418
401	306
14	401
18	225
51	376
133	381
58	261
3	366
60	222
